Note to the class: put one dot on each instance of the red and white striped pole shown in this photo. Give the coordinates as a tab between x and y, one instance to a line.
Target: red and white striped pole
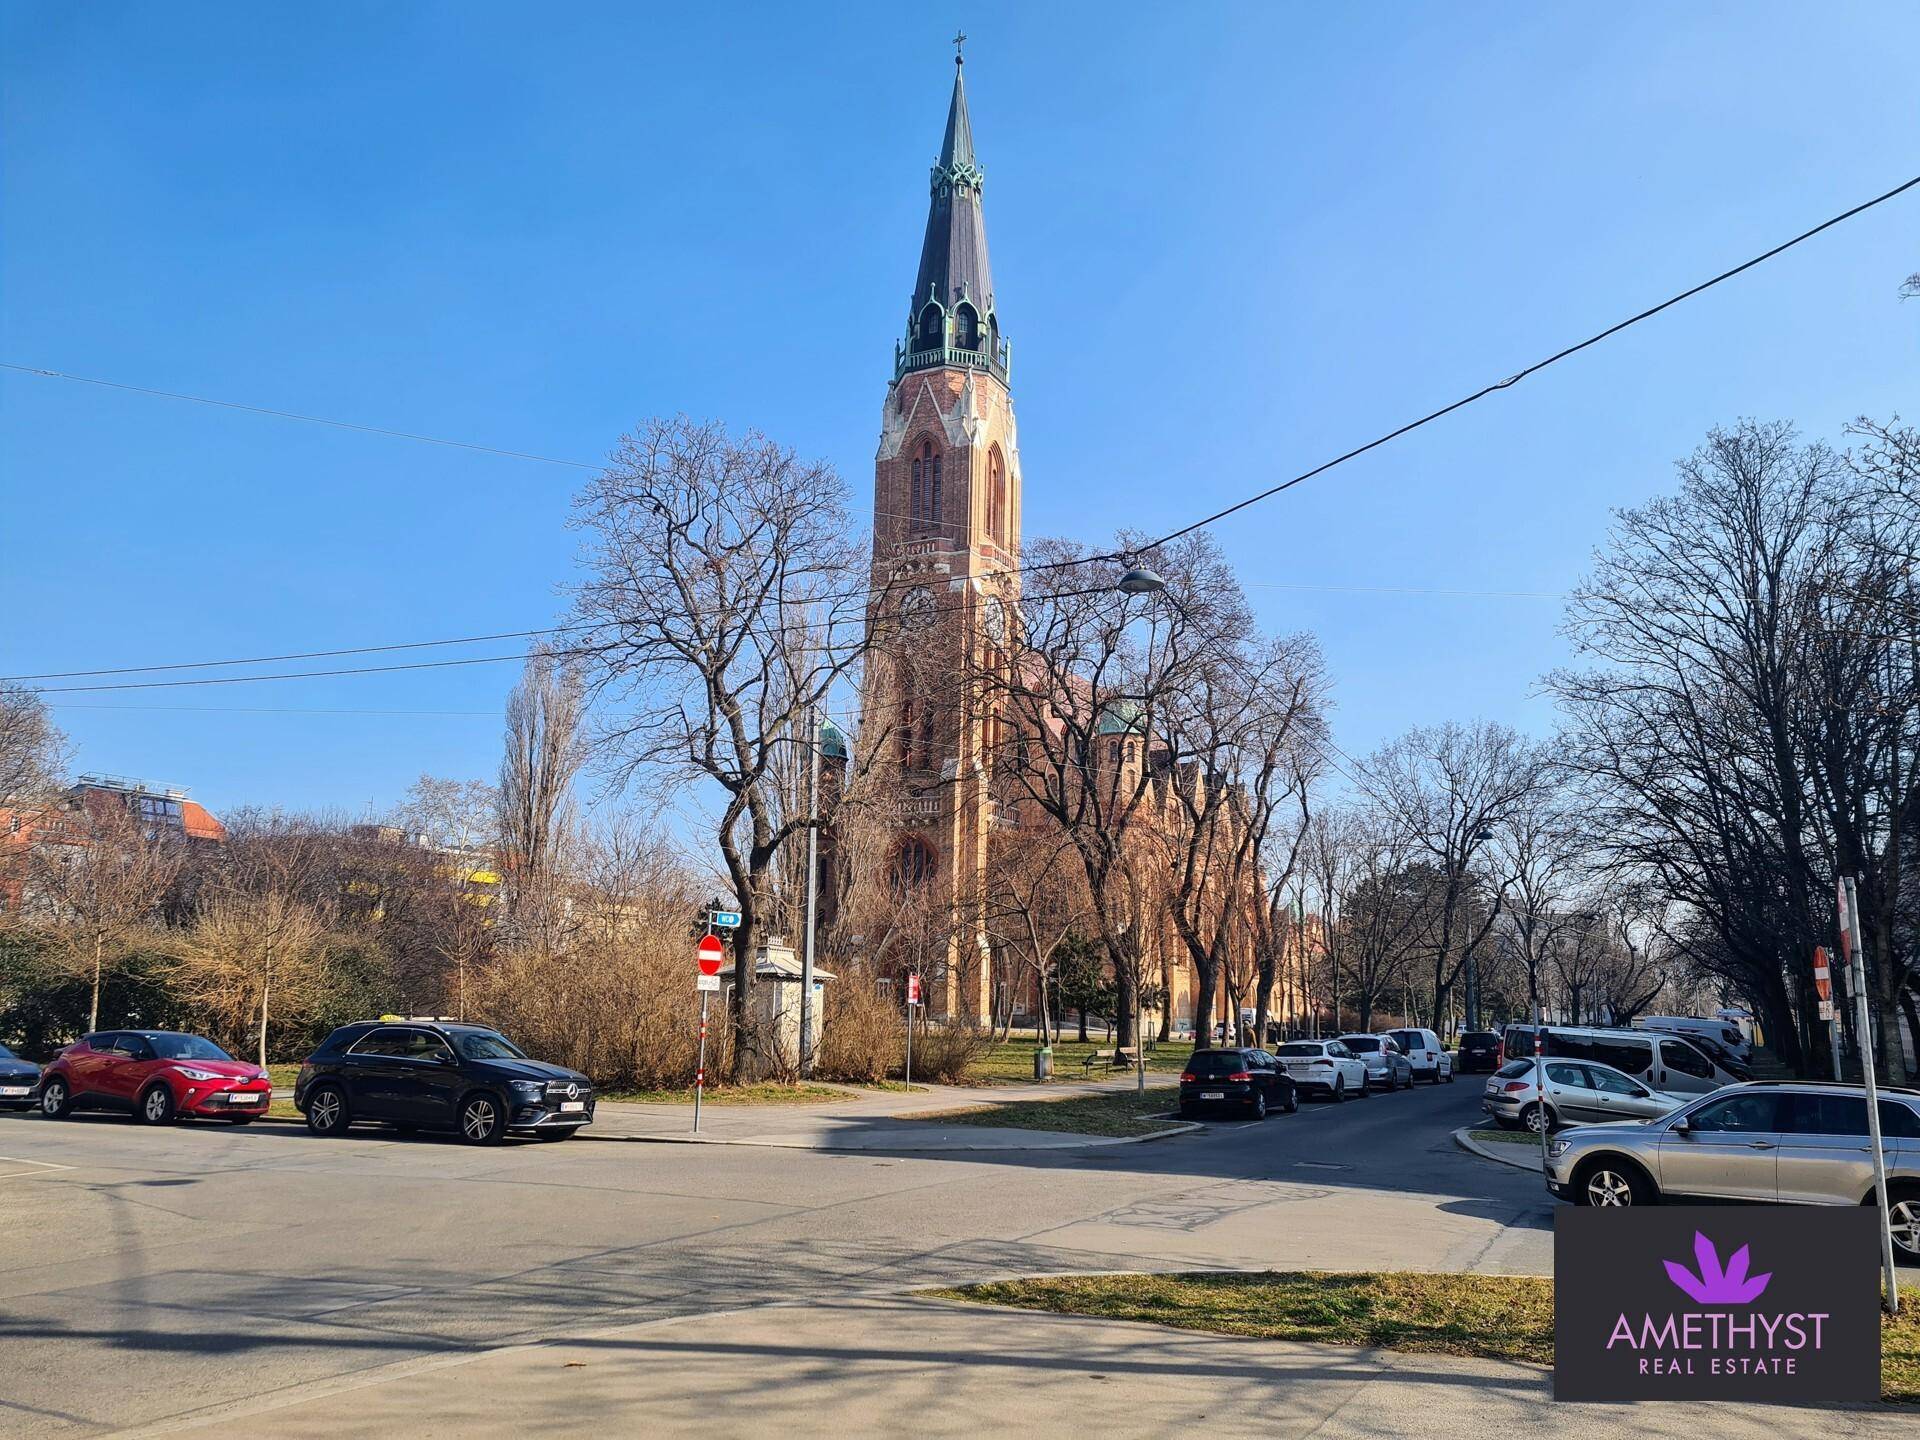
700	1065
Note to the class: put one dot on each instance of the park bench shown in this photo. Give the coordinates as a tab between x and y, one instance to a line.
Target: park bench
1120	1058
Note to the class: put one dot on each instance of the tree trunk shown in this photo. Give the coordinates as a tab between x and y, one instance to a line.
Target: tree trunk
1206	991
99	949
1081	1015
266	992
1126	987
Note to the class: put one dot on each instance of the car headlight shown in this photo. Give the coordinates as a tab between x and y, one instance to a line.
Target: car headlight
529	1089
1557	1148
193	1074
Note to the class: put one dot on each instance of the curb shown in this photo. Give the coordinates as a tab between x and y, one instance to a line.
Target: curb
1090	1143
1492	1152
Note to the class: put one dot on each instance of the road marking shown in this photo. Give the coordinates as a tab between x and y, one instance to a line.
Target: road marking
41	1167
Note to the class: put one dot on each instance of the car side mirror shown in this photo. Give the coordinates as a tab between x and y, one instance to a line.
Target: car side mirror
1680	1126
443	1057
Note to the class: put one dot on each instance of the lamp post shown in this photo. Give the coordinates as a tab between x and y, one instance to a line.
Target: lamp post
813	899
1473	951
1141	581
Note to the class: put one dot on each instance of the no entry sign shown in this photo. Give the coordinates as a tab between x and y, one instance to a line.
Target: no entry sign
710	954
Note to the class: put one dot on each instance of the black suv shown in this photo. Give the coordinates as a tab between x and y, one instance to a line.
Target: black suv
1249	1080
438	1075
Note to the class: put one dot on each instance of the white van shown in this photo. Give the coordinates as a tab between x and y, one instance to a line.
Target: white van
1424	1052
1660	1062
1723	1033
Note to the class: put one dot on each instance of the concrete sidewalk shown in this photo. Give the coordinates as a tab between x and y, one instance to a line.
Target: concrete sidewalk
897	1366
871	1121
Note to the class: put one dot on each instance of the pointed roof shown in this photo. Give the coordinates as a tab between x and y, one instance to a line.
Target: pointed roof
953	257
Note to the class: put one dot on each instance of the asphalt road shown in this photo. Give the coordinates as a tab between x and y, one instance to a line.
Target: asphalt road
152	1274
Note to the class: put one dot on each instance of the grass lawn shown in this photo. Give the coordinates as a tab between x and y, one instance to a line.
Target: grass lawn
1123	1112
283	1078
1011	1062
1506	1137
1503	1317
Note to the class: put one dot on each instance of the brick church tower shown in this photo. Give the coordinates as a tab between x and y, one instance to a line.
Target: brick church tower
946	532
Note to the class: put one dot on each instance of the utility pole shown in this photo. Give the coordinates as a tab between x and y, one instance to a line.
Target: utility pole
813	885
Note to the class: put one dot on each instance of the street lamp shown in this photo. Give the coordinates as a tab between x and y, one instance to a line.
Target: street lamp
1141	581
1473	951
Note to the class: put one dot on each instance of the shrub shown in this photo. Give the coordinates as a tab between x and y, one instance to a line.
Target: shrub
946	1053
862	1031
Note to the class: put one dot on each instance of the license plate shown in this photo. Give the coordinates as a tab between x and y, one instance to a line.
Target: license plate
1213	1094
16	1089
240	1099
573	1105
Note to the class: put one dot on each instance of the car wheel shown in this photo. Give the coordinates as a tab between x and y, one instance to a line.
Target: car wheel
1532	1117
1903	1221
1366	1089
1609	1184
1449	1075
1339	1090
56	1101
155	1107
327	1111
1259	1104
1293	1101
483	1121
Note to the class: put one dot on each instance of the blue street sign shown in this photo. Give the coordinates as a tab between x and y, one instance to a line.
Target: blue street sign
726	919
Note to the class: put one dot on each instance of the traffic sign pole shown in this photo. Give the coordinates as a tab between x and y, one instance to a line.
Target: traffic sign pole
1863	1021
708	953
700	1065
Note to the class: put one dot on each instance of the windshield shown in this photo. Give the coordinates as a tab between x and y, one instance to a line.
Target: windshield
1302	1047
1217	1062
184	1047
486	1045
1480	1037
1514	1069
1361	1044
6	1054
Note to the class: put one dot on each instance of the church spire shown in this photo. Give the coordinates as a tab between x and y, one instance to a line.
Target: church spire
952	319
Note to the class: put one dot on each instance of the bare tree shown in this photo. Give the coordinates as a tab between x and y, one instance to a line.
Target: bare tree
96	880
1447	788
545	749
1036	896
32	750
1091	674
249	957
723	601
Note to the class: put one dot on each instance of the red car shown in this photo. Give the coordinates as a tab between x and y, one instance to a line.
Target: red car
154	1076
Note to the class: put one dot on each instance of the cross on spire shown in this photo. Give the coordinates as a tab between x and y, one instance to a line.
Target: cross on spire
959	39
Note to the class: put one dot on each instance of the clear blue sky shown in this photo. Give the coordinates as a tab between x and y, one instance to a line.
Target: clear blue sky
1229	241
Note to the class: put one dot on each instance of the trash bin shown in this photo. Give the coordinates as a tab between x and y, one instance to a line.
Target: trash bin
1043	1063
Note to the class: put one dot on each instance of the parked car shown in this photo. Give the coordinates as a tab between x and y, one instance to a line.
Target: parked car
1723	1033
1387	1068
1425	1053
438	1075
18	1081
1249	1080
1578	1092
1480	1050
1670	1063
155	1076
1770	1142
1326	1066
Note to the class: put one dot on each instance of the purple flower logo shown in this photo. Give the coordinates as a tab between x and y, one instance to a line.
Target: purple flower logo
1713	1285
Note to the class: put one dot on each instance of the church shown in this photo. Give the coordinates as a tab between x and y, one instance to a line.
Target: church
946	545
946	582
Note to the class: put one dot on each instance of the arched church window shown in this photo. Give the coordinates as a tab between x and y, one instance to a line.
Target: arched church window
926	738
996	496
930	327
966	328
926	485
913	864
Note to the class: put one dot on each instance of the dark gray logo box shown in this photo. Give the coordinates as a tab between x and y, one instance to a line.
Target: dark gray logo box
1823	1260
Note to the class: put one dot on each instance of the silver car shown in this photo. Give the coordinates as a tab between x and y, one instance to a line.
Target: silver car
1387	1068
1579	1092
1770	1142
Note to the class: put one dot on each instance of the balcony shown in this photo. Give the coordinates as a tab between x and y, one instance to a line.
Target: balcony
996	362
